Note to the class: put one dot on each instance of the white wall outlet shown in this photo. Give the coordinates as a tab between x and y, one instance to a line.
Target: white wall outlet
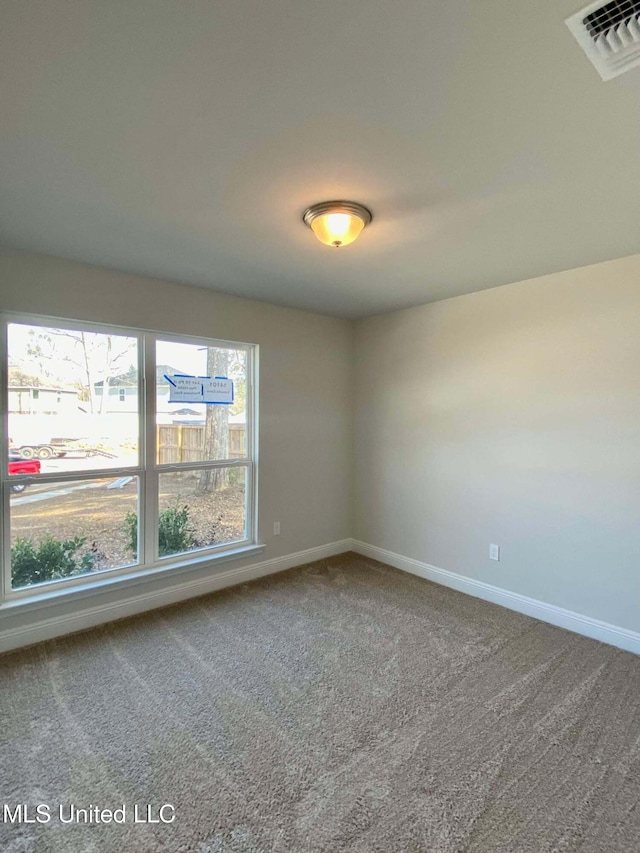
494	552
276	528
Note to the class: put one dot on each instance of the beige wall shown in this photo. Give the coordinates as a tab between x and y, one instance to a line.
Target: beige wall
305	379
510	416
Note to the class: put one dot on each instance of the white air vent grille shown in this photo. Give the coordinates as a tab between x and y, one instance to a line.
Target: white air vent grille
609	33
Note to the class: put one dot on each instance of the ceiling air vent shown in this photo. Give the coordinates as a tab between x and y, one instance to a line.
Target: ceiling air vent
609	33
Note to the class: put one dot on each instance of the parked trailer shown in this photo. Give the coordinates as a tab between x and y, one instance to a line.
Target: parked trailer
40	451
59	449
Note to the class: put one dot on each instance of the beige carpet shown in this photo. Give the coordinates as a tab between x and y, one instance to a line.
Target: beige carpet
342	706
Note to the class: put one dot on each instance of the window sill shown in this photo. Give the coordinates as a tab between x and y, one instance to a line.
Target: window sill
136	579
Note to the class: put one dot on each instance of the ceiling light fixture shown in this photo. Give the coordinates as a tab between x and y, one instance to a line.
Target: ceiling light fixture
337	223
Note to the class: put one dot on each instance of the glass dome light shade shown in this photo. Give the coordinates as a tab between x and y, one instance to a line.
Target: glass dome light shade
337	223
337	229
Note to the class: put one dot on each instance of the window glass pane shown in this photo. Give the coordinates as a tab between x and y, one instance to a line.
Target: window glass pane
189	429
72	528
201	509
72	398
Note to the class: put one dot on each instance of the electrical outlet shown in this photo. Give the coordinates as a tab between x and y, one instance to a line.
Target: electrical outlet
494	552
276	528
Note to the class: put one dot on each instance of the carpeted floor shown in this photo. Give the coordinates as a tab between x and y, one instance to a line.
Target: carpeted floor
341	706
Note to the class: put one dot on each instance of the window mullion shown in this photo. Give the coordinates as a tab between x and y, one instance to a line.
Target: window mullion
251	439
5	580
5	537
212	463
63	476
149	495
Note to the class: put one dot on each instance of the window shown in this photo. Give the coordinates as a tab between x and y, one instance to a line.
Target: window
150	474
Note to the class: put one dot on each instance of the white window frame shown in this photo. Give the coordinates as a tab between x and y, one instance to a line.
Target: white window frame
147	471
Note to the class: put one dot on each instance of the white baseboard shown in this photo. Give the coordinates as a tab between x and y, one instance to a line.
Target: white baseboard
40	627
576	622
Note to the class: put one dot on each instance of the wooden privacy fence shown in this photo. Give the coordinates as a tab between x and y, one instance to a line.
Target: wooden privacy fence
184	443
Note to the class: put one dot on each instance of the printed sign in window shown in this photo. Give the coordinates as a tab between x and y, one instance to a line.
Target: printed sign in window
217	390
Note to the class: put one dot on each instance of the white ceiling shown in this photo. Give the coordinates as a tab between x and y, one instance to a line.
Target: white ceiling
184	139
